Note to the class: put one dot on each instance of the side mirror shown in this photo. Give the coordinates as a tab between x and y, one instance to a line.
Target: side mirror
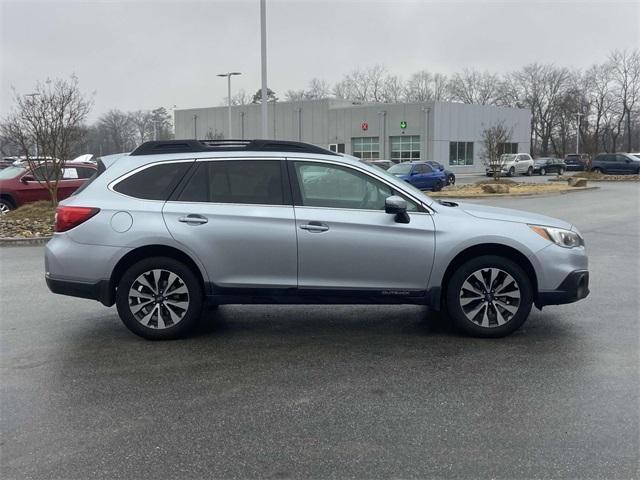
397	206
27	178
441	168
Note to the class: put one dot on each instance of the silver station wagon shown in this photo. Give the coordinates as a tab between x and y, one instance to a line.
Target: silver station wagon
177	225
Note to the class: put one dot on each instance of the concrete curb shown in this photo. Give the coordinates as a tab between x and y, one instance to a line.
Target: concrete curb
493	195
23	242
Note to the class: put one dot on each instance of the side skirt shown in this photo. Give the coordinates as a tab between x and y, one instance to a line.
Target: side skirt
301	296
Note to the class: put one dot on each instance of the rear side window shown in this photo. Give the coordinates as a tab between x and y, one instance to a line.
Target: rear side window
236	181
153	183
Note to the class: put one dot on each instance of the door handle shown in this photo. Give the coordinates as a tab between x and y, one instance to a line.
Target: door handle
315	227
193	219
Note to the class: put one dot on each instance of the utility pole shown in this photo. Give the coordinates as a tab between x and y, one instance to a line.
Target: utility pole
229	75
263	59
195	127
578	115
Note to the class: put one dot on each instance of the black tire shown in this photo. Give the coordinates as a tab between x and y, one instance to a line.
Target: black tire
473	328
561	171
194	297
512	172
597	170
451	179
437	187
543	171
529	171
5	206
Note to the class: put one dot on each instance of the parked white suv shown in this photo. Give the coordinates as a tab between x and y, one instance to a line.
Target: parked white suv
512	164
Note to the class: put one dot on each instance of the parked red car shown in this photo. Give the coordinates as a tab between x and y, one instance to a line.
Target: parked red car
19	184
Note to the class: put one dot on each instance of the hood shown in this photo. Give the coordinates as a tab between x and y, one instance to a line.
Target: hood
510	215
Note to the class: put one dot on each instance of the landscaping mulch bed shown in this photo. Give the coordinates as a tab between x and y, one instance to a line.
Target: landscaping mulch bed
599	177
476	190
32	220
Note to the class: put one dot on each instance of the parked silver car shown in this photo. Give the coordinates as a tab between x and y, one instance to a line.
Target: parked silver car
175	224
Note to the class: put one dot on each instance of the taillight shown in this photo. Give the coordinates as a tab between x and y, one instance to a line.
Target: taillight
69	217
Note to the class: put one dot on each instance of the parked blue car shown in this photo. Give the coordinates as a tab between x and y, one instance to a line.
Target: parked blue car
420	174
451	177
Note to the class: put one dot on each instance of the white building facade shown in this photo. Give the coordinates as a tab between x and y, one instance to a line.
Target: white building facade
450	133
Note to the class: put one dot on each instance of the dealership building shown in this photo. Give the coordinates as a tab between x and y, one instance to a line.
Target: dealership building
450	133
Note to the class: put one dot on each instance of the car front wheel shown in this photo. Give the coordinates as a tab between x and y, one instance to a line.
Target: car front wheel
489	296
5	207
529	171
451	180
561	171
543	171
512	172
159	298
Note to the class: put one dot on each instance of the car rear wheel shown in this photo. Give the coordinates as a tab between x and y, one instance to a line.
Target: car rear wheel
489	296
543	171
512	172
561	171
529	171
159	298
597	170
437	186
451	179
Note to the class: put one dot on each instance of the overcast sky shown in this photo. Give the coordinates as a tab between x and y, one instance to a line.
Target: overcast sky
145	54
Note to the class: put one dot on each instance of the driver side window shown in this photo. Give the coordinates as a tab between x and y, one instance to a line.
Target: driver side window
332	186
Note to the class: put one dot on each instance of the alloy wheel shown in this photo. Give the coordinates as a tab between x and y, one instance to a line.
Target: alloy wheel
4	208
543	171
158	299
490	297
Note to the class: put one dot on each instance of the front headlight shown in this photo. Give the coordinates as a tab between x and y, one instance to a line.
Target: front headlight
559	236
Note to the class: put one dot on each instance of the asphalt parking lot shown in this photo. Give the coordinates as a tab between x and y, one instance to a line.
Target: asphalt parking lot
331	392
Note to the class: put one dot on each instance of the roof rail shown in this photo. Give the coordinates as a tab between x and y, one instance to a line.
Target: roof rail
193	146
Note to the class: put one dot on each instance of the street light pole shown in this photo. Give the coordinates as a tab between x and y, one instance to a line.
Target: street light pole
263	59
229	75
31	96
578	133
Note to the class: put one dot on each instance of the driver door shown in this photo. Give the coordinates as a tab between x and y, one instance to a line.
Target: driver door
347	242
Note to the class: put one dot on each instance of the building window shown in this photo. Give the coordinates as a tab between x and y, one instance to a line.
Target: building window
460	153
366	148
405	148
336	147
507	148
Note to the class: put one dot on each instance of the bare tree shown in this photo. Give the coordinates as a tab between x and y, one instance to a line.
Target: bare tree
392	89
271	96
419	87
240	98
295	95
118	129
471	86
318	89
141	121
493	140
52	120
626	79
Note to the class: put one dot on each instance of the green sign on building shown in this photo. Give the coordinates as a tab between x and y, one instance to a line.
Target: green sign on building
403	124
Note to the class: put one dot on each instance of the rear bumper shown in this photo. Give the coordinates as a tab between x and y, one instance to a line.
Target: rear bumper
94	291
573	288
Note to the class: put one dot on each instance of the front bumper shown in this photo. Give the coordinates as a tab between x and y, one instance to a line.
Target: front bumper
573	288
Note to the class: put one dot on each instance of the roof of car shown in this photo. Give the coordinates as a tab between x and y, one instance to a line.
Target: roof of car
227	145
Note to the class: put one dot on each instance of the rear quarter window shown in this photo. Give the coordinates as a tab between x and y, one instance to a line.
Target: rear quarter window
153	183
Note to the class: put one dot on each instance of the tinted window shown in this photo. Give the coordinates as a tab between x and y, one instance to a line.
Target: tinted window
85	172
153	183
236	181
340	187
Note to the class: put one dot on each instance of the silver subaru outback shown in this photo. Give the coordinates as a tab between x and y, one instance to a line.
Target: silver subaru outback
176	225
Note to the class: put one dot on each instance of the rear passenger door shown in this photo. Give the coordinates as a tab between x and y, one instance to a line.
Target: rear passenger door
236	215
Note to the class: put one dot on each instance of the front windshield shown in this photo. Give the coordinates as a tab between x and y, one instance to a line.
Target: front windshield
400	169
508	157
11	172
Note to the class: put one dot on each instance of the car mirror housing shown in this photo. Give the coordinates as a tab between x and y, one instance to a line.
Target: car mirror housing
397	206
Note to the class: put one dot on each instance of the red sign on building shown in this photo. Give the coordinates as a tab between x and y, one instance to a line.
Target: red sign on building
365	126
